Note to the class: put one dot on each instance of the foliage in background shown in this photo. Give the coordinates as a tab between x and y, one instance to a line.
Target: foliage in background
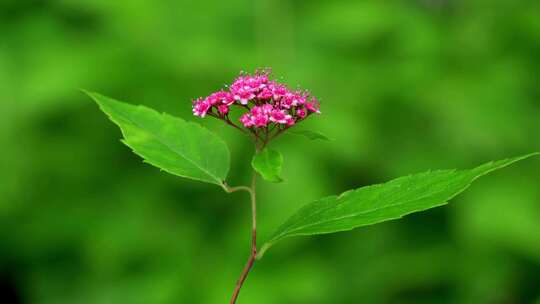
407	86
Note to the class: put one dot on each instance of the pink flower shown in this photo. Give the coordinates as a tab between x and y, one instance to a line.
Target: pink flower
223	108
238	83
256	110
278	90
262	80
301	112
279	116
244	96
213	99
300	98
290	121
267	108
220	97
313	106
226	98
260	120
201	107
260	114
291	99
256	82
246	120
265	94
287	100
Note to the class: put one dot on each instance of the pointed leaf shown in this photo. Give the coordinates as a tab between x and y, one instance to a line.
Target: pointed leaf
378	203
313	135
268	164
178	147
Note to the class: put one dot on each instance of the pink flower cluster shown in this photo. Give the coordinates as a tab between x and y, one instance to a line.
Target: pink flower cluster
221	100
267	102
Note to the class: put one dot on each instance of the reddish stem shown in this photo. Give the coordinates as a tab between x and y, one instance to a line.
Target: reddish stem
251	190
246	270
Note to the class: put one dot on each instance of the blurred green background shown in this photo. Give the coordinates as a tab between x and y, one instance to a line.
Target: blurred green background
405	86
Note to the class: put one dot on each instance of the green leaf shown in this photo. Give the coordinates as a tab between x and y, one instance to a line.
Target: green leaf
268	164
313	135
378	203
178	147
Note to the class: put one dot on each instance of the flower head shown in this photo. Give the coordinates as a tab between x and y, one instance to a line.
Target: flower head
271	106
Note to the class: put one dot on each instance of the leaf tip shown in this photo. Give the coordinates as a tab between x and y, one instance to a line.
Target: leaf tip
88	93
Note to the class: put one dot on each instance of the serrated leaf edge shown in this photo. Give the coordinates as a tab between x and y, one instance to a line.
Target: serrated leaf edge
280	236
217	181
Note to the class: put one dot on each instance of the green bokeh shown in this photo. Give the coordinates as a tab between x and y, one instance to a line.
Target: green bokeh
405	86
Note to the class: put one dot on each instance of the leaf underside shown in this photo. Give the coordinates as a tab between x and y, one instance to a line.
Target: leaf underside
268	164
173	145
378	203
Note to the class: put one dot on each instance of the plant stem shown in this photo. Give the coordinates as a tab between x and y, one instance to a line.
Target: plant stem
252	192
